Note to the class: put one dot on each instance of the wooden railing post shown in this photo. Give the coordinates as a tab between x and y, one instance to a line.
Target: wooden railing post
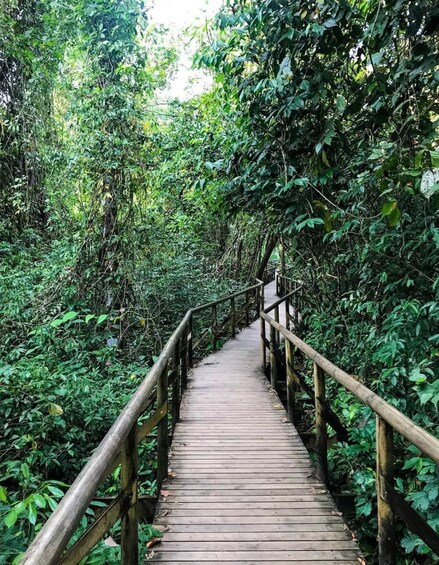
175	376
276	317
262	298
291	389
384	476
287	313
263	346
247	309
162	429
273	360
190	343
276	283
183	361
258	301
129	480
232	317
213	327
321	433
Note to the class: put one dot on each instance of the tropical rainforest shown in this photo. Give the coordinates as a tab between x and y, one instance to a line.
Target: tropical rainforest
319	131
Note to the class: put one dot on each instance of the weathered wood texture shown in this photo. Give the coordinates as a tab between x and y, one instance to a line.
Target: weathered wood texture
241	487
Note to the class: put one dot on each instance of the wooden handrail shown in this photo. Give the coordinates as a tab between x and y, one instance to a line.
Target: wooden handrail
281	300
284	284
388	419
426	442
223	299
119	446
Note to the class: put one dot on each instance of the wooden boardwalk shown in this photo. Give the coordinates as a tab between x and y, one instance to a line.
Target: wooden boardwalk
241	487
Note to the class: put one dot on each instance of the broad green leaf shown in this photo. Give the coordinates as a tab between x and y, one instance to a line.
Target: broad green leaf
434	156
3	494
310	223
394	217
56	491
25	470
40	501
11	518
68	316
388	207
101	318
32	514
52	503
89	317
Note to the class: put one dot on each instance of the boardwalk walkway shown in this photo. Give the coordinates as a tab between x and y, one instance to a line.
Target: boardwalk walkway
241	486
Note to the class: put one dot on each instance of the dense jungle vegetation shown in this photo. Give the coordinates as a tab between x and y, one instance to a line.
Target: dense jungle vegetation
118	211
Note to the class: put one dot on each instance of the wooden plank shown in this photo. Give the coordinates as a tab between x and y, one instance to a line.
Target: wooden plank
250	562
259	529
262	546
298	509
270	536
129	482
180	498
308	519
259	556
414	521
250	480
294	485
98	529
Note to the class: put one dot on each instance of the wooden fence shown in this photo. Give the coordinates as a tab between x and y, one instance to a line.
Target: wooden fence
160	394
388	418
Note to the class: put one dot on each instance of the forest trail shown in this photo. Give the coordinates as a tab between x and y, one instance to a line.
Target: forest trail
241	486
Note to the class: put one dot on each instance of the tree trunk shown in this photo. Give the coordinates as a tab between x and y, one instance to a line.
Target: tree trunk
271	244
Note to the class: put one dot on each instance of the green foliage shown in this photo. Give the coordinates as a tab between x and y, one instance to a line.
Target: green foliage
335	114
118	212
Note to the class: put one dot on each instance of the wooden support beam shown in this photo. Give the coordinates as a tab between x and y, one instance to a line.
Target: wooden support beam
151	423
287	313
263	346
330	417
276	317
291	385
146	507
162	430
97	530
273	360
414	521
213	327
175	402
183	354
129	482
384	476
321	432
190	342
